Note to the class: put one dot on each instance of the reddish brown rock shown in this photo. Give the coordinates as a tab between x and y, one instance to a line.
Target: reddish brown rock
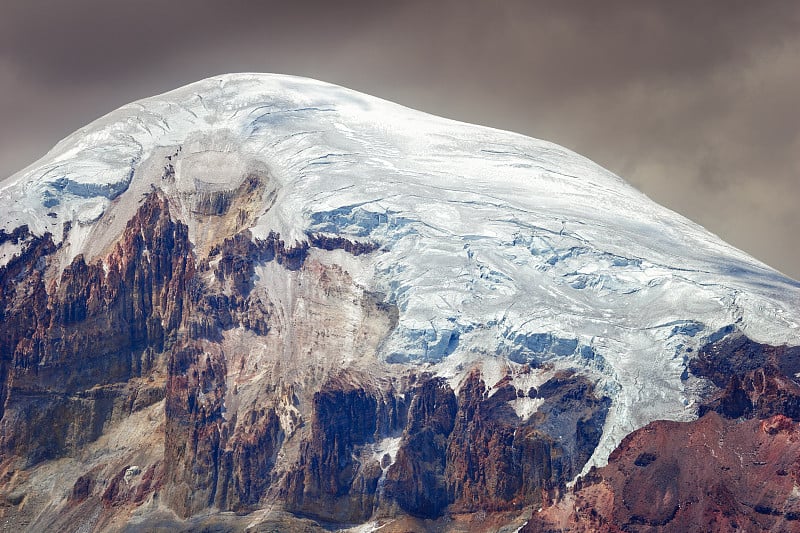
92	348
255	444
472	453
753	379
714	474
22	305
82	488
195	428
497	462
735	468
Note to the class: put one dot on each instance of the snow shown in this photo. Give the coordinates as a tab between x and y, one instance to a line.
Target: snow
525	407
369	527
390	446
8	251
493	246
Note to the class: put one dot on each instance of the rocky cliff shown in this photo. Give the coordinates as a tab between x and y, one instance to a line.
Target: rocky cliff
143	327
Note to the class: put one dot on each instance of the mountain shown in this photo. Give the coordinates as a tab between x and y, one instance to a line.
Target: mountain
268	302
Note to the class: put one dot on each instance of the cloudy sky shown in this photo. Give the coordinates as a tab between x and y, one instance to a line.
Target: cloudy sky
695	103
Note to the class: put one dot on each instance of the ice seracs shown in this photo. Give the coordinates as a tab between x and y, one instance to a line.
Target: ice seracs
496	248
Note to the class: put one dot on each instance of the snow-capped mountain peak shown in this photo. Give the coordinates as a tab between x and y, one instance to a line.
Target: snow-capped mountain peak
496	249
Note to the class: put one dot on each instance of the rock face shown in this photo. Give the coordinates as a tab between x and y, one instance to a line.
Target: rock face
754	380
332	480
113	320
266	303
416	479
713	474
497	462
454	454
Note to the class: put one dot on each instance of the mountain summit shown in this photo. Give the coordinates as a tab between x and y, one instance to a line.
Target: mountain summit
276	296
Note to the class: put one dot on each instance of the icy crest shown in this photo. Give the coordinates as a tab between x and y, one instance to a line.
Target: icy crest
491	244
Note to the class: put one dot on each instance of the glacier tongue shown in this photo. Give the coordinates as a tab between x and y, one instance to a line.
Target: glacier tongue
492	245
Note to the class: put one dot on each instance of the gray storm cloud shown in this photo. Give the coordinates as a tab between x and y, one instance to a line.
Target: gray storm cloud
695	103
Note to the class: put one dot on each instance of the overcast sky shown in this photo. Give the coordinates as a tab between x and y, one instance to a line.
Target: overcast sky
695	103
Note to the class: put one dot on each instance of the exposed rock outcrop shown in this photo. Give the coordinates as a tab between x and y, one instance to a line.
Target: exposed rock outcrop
141	326
457	454
713	475
213	461
113	319
327	242
754	380
497	462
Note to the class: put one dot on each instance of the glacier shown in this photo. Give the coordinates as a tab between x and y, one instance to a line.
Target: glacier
496	249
